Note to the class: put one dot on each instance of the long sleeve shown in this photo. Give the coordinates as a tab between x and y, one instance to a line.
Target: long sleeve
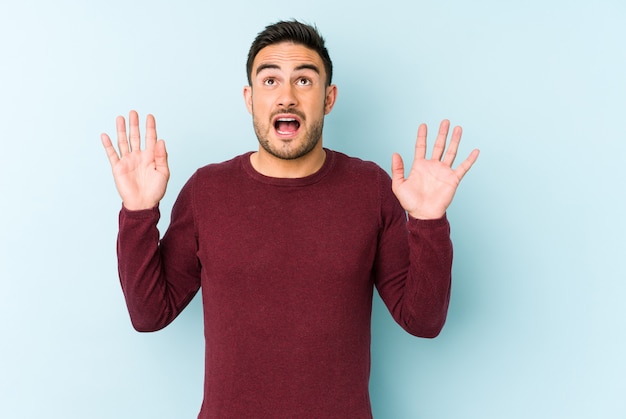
287	269
413	268
158	278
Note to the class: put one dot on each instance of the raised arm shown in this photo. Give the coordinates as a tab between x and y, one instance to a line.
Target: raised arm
140	176
419	298
431	184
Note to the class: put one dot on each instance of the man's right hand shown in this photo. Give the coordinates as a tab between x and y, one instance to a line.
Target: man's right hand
140	175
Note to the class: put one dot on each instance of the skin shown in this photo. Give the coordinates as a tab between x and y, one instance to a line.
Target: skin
431	184
289	81
140	175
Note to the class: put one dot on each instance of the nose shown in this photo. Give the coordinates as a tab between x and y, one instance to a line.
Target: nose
287	96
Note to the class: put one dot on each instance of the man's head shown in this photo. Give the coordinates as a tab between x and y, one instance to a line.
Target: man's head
293	32
289	92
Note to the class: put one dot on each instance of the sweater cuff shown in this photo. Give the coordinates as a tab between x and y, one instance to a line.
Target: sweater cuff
140	214
414	224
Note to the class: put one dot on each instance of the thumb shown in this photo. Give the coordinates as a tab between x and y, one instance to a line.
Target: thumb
397	170
160	155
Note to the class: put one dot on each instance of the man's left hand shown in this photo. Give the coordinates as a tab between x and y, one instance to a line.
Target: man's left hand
431	184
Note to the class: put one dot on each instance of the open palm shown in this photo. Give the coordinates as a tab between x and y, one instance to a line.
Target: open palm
431	184
141	176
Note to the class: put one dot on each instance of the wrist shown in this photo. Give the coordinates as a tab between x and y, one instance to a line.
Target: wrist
425	216
138	206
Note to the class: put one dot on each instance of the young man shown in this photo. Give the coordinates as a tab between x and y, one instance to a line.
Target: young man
287	244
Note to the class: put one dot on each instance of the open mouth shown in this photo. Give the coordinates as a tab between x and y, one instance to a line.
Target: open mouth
286	125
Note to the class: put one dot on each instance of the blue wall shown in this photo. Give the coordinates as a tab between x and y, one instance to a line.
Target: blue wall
537	327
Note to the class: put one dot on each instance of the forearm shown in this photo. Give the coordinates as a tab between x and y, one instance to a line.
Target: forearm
153	301
413	273
427	289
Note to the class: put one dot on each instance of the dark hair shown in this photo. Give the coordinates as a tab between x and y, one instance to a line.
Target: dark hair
290	31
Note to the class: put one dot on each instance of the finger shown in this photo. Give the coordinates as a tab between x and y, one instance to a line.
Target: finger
160	157
467	164
151	134
397	170
420	143
109	149
135	138
440	142
453	147
122	140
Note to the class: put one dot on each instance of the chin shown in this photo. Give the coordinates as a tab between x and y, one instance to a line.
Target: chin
291	150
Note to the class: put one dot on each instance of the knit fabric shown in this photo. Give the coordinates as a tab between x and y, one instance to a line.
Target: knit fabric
286	269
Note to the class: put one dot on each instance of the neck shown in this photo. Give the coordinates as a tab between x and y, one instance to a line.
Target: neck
272	166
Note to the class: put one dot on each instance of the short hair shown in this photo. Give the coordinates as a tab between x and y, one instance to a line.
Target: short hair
291	31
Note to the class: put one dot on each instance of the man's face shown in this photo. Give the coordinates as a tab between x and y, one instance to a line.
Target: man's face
288	99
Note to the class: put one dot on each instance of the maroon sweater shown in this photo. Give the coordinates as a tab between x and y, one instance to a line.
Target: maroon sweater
287	269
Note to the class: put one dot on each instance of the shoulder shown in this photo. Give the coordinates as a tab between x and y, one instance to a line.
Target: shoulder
356	167
212	178
219	170
364	174
367	184
364	178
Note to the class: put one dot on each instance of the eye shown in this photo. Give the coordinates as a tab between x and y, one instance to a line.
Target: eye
303	81
269	82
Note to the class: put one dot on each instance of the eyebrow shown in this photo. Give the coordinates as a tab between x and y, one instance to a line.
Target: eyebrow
267	66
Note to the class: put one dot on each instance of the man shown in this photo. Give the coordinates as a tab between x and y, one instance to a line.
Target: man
287	244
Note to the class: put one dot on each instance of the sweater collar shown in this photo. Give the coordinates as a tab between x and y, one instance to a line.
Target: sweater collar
289	182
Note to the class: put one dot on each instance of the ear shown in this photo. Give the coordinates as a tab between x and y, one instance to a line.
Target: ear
331	97
247	97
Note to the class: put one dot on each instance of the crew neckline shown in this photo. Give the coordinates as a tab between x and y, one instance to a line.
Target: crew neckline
278	181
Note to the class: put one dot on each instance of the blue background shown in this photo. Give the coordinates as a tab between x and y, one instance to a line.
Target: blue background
536	327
